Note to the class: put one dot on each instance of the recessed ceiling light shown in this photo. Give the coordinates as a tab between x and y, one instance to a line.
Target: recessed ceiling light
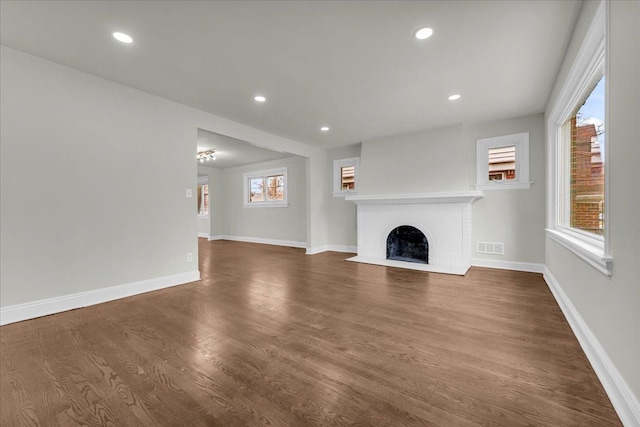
454	97
122	37
259	98
423	33
324	128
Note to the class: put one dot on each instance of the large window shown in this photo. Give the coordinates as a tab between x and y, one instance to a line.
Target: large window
577	216
582	197
265	188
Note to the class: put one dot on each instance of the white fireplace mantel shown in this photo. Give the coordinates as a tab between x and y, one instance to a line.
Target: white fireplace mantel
417	198
443	218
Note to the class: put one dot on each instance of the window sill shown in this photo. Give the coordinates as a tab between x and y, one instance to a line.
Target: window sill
344	193
503	185
203	216
267	205
590	250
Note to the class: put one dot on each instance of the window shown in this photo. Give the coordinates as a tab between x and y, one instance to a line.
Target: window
345	172
502	162
577	217
266	188
581	200
203	196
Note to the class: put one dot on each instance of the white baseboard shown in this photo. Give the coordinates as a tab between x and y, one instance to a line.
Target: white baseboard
343	248
31	310
205	235
508	265
624	401
317	249
290	243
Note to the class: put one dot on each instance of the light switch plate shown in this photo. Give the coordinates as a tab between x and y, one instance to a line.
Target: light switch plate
189	193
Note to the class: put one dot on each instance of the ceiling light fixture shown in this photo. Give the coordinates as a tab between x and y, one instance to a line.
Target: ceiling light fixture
206	155
122	37
260	98
454	97
423	33
324	128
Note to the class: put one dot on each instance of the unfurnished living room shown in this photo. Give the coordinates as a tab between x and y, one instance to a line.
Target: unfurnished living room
292	213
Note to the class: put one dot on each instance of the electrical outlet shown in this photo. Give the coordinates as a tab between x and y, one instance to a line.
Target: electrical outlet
189	193
189	257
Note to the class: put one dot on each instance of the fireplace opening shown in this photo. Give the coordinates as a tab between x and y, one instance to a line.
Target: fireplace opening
406	243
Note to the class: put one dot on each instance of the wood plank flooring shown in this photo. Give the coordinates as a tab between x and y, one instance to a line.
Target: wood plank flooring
271	336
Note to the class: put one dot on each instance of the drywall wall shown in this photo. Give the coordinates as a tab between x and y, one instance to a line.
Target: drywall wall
86	199
514	217
443	160
609	306
109	167
288	224
341	214
215	222
422	162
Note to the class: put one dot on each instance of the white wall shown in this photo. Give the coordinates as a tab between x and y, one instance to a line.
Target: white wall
214	225
515	217
610	306
422	162
94	177
271	223
343	227
85	203
443	160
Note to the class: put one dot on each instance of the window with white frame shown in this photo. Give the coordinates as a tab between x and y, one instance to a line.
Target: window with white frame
502	162
577	154
265	188
345	174
203	196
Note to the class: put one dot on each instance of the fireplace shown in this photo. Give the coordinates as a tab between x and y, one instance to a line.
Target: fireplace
428	231
407	243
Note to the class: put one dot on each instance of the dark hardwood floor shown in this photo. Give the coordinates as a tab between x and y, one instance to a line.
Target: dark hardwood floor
273	336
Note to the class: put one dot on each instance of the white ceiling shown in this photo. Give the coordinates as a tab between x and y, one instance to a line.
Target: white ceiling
232	152
350	65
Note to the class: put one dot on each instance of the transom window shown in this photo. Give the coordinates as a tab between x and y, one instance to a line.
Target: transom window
345	176
266	188
502	162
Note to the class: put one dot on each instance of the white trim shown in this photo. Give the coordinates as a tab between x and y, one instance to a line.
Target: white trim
521	143
586	68
317	250
343	248
278	204
205	235
504	185
45	307
417	198
584	249
624	401
530	267
260	240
